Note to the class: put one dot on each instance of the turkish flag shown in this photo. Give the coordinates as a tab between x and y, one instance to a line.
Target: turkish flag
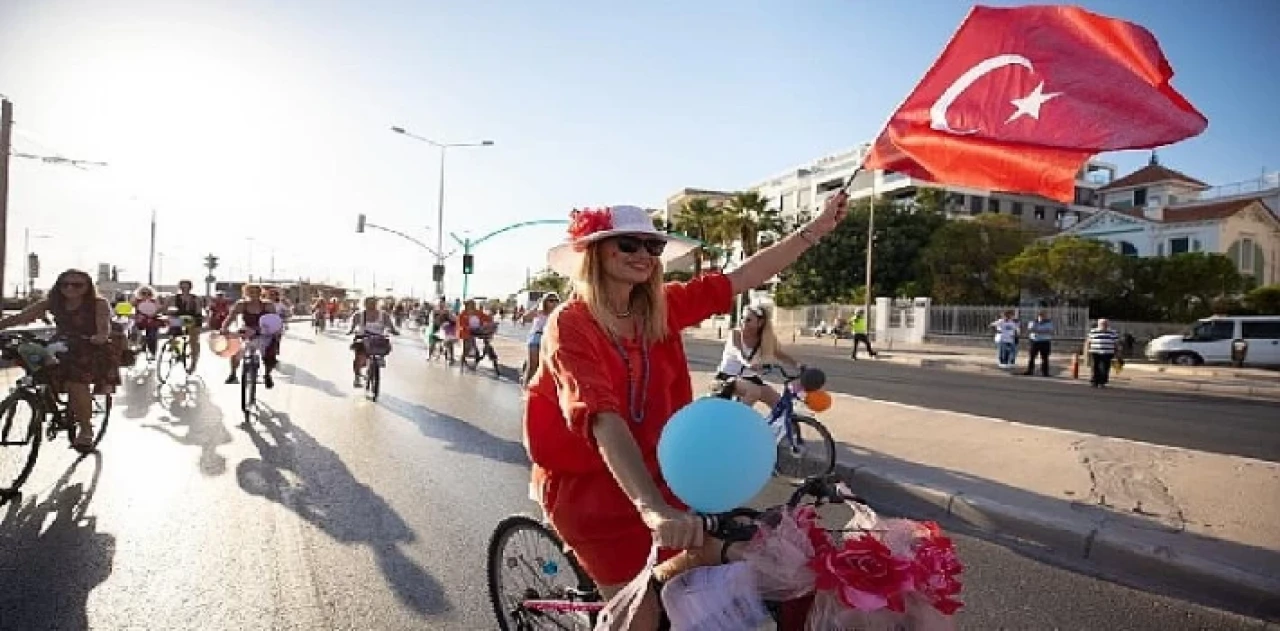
1022	97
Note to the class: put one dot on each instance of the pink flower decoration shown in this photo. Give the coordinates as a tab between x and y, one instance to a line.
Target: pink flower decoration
583	223
864	574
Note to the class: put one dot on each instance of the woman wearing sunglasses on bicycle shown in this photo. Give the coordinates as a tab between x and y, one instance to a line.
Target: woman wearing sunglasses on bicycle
614	371
750	346
84	320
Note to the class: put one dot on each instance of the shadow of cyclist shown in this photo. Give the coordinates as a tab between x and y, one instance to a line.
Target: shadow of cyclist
52	556
303	475
189	406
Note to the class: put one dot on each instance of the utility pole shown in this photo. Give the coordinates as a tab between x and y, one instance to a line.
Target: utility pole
871	240
151	259
6	137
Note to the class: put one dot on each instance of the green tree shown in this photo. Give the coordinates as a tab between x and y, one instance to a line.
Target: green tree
1265	300
748	217
1187	284
700	220
962	259
548	280
1068	270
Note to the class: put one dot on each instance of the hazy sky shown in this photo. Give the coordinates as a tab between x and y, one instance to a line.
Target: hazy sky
269	118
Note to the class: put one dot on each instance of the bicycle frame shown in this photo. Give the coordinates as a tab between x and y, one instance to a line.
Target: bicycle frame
783	414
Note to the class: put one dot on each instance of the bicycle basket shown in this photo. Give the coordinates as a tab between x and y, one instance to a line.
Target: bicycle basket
377	346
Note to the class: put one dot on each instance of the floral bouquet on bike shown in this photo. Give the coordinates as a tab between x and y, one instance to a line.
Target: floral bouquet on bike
875	574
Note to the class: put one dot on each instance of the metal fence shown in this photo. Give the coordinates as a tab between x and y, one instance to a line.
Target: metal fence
803	320
950	321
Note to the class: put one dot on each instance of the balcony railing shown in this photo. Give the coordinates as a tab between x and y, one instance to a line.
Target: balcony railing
1268	182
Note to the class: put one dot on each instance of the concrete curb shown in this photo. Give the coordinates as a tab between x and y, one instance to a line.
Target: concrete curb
1082	534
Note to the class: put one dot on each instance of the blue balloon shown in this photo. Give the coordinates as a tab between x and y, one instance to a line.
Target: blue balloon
716	454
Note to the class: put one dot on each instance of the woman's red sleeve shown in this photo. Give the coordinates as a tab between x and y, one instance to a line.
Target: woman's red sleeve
575	359
688	304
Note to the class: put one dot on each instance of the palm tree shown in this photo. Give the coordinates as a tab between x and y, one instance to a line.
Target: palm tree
700	220
748	218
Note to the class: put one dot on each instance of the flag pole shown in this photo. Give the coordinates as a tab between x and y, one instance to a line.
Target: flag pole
871	240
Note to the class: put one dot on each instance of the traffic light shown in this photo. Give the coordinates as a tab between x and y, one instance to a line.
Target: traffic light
468	264
211	262
437	273
33	266
360	222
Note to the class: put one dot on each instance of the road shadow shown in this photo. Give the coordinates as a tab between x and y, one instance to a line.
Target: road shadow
52	555
307	379
461	436
193	419
137	388
299	473
868	470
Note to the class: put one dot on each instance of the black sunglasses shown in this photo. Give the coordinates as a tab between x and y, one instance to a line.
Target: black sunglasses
631	245
75	284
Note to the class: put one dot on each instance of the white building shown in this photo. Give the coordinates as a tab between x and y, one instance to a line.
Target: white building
1157	211
804	189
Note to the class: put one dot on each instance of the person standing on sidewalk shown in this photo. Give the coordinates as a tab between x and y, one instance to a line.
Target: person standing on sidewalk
1040	332
1006	339
1102	349
859	325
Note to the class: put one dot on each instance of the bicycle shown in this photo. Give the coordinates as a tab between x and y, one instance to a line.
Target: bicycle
48	407
376	348
571	599
251	355
472	349
176	350
318	322
789	429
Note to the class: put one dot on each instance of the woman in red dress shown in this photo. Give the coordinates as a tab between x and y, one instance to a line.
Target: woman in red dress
613	372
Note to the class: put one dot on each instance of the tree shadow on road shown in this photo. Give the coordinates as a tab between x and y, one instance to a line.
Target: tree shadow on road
52	555
190	406
299	473
462	437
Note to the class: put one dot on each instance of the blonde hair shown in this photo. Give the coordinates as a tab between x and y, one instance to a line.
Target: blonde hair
648	302
137	293
767	345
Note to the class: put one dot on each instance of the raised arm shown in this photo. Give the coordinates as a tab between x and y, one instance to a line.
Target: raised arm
766	263
26	316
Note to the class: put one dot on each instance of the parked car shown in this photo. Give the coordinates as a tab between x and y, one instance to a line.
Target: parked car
1209	342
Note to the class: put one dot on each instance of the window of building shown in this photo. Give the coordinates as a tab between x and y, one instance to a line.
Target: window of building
830	185
1128	249
975	204
1039	212
993	206
1179	245
1140	197
1246	255
1084	196
1016	209
1059	214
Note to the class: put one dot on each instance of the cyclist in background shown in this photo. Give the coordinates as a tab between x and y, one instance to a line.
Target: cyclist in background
218	310
148	317
250	310
282	308
371	321
188	305
750	346
546	305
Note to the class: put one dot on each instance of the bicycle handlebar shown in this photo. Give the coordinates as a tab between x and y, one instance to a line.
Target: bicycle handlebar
730	527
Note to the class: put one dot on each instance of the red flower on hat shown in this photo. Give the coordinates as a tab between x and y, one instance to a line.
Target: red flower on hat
583	223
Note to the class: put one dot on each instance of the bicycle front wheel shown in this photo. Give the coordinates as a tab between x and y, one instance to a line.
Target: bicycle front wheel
374	381
527	562
248	388
20	436
813	452
166	360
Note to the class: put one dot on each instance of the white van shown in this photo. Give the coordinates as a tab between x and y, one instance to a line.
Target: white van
1209	342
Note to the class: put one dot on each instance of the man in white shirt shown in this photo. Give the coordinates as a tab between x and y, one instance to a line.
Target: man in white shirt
1006	339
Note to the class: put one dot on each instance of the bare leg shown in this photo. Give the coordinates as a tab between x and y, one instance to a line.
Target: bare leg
532	365
81	407
748	392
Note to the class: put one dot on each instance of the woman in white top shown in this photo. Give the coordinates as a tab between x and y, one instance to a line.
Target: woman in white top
539	318
371	321
750	346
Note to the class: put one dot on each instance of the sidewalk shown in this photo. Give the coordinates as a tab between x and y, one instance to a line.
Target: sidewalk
1205	523
1213	380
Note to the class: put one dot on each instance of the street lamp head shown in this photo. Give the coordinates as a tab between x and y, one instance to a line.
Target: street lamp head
398	130
486	143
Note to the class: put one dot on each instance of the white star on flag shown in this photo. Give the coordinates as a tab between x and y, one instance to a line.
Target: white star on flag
1029	105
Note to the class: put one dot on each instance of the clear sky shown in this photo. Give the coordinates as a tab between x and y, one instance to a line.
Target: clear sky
269	119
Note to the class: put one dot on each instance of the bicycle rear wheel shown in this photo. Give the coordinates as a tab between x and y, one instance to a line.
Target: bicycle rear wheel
814	455
527	562
248	387
20	436
374	380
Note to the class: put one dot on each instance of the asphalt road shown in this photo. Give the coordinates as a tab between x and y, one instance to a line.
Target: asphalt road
1240	427
328	511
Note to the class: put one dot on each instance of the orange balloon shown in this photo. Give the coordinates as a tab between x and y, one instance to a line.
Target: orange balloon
818	400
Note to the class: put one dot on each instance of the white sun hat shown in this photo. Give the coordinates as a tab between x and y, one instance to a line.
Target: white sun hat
588	226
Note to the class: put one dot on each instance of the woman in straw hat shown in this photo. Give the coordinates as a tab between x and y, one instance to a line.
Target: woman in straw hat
614	371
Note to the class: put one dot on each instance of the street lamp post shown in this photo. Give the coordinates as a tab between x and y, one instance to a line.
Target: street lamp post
443	147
